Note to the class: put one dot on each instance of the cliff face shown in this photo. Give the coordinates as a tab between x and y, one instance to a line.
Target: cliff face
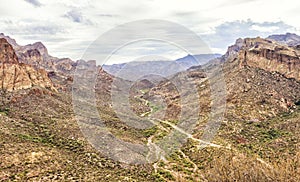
37	55
267	55
15	75
7	53
60	71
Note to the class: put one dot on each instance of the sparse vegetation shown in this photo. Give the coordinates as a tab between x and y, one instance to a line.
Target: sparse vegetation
258	140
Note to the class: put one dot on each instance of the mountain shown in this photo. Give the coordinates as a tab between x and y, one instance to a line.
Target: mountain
195	60
57	136
10	40
267	55
37	55
262	79
133	70
289	39
17	76
60	70
39	132
262	106
263	70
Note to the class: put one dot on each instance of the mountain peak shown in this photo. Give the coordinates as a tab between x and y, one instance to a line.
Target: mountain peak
10	40
7	53
17	76
290	39
40	47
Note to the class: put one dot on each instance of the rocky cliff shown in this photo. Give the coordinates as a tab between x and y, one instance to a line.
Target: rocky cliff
267	55
15	75
59	70
37	55
7	54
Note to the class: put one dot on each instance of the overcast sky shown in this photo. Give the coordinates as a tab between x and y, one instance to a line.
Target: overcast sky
68	27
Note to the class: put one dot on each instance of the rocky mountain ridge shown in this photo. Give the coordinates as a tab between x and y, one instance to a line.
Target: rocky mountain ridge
37	55
259	71
266	54
289	39
17	76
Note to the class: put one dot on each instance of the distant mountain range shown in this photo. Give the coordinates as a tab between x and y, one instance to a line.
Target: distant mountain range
289	39
134	70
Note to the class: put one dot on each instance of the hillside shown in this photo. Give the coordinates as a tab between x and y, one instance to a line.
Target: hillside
259	125
56	130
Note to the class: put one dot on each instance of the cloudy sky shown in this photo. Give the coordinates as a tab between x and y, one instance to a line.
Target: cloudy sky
68	27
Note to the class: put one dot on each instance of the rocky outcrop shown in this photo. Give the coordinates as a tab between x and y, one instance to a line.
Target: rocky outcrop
17	76
60	71
266	54
10	40
20	76
32	57
262	77
7	53
262	80
37	55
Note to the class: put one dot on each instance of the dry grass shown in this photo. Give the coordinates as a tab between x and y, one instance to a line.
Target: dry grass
237	167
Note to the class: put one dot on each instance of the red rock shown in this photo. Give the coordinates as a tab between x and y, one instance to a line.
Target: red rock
17	76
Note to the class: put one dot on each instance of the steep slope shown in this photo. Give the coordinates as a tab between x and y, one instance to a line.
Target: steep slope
37	55
270	56
15	75
263	94
7	54
60	69
10	40
40	139
261	76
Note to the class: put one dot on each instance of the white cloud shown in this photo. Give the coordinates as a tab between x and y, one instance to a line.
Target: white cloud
43	20
268	29
226	33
